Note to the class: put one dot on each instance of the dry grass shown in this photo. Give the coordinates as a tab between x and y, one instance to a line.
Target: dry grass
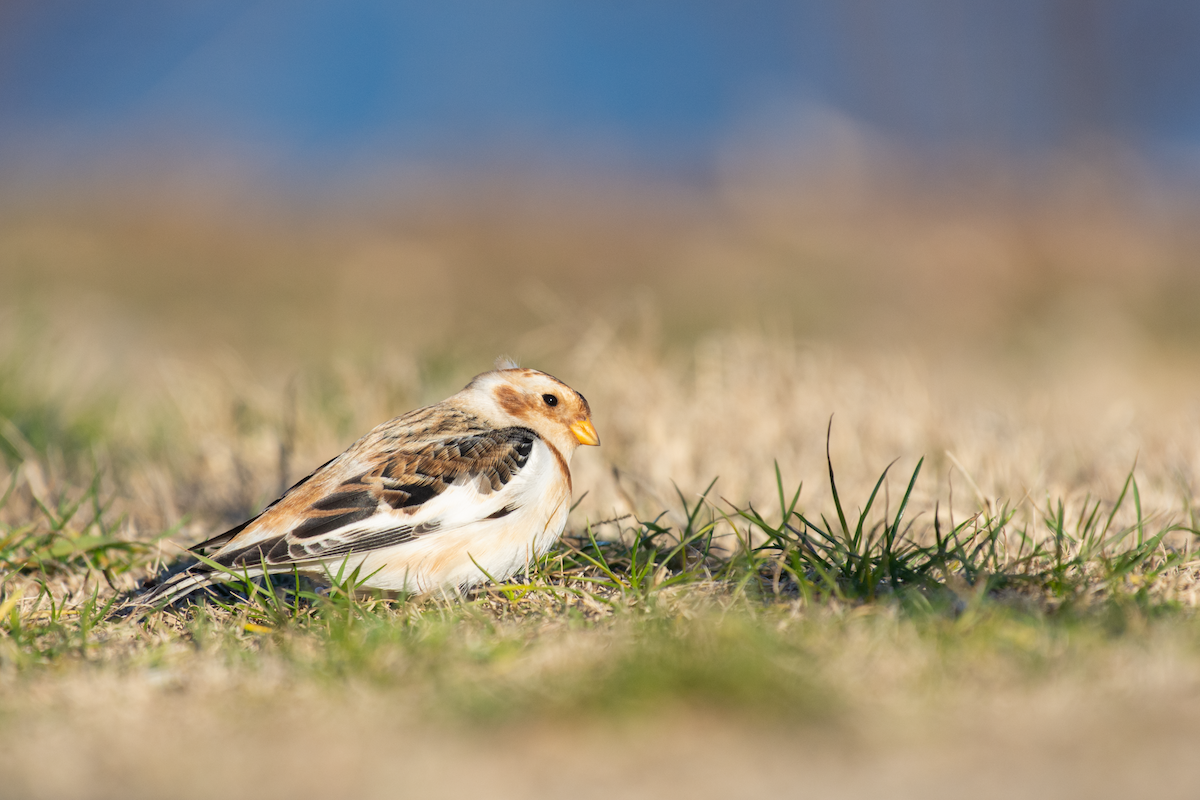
167	370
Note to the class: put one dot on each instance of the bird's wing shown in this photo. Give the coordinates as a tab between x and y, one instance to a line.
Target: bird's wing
399	490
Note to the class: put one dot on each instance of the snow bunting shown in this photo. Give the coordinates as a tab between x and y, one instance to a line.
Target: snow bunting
475	486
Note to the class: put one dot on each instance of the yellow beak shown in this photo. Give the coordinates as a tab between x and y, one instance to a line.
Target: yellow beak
585	432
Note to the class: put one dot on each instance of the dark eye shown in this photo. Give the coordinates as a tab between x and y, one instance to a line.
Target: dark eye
550	399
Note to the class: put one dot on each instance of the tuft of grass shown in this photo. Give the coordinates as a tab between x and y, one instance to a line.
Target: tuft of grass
69	535
1076	565
48	633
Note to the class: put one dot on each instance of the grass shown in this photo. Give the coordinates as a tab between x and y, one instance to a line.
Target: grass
675	621
709	603
815	614
70	536
824	616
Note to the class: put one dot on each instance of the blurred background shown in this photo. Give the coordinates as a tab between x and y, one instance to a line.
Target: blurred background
293	220
322	92
283	176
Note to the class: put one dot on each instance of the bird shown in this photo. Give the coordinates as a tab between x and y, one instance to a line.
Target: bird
442	498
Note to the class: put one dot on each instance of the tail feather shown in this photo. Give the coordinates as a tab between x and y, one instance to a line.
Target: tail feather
221	570
178	586
197	576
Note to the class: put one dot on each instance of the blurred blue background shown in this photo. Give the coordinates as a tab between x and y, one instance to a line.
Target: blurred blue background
658	86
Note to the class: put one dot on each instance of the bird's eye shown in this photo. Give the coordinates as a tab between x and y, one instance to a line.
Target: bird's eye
550	400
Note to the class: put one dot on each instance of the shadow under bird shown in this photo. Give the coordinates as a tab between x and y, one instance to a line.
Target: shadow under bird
474	487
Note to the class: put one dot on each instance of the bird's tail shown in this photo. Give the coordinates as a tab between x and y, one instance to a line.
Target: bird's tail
197	576
176	587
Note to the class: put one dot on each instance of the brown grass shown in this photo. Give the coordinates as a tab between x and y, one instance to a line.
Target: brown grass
199	358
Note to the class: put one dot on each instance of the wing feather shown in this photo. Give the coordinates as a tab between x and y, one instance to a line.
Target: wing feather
392	502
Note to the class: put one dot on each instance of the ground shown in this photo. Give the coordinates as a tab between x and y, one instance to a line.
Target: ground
1008	608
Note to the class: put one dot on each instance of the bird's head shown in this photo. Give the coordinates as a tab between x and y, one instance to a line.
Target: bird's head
535	400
